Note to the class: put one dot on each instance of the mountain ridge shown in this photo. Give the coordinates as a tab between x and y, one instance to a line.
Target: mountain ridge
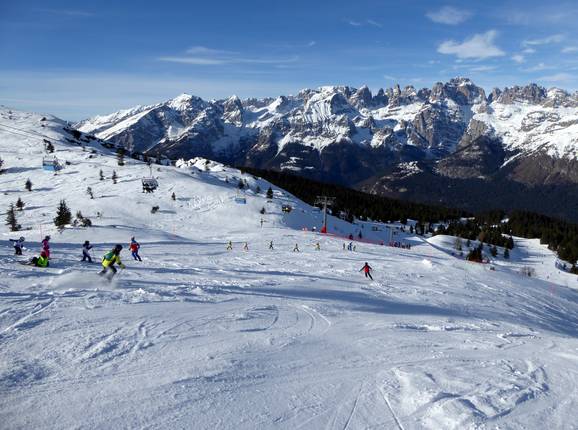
354	137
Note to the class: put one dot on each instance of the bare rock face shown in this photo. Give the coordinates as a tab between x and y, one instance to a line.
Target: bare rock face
532	94
477	156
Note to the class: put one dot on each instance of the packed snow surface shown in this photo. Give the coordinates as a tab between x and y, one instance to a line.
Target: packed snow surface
198	336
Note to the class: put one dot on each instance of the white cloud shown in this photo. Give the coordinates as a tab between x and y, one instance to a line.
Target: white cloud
483	69
479	46
538	67
518	58
203	50
558	77
554	38
449	15
203	56
570	50
365	23
529	51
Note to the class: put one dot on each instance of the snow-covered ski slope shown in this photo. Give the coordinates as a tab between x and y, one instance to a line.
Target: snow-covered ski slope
199	337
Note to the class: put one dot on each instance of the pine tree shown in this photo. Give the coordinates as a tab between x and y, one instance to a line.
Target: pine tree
494	251
506	253
241	184
49	148
19	204
63	215
173	196
101	175
270	193
11	219
114	177
28	184
120	156
258	190
89	192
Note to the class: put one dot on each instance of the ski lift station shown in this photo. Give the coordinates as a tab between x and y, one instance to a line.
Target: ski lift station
51	164
240	200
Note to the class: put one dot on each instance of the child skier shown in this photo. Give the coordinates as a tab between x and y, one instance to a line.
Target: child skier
46	246
317	246
18	245
230	246
41	261
134	247
271	245
109	260
296	248
367	269
246	247
86	247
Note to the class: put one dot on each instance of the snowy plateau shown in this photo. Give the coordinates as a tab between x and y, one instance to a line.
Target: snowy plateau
200	337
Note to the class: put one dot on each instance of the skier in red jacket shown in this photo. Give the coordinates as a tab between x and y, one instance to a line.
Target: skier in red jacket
134	248
367	269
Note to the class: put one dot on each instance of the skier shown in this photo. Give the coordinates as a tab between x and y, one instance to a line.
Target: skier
109	260
367	269
230	246
41	261
296	249
18	245
134	247
246	247
350	246
86	247
271	245
344	246
262	221
46	246
317	246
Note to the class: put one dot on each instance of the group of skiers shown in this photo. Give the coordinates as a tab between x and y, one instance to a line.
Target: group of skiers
246	246
109	260
112	258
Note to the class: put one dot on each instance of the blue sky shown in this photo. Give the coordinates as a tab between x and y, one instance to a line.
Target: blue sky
78	59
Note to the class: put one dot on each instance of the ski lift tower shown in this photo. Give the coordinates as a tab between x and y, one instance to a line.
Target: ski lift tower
325	201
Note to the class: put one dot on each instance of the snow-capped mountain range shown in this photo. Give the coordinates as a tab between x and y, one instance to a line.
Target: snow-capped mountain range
527	134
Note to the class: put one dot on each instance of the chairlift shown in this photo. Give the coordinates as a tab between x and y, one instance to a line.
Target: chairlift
51	164
150	184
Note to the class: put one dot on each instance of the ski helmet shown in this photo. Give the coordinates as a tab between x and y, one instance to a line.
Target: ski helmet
43	254
21	238
118	248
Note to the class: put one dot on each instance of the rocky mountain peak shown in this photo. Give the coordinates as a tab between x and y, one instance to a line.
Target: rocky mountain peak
361	98
532	93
